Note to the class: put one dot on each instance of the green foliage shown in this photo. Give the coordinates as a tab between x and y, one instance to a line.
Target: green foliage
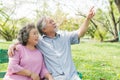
5	45
102	19
8	28
103	23
91	31
70	24
8	32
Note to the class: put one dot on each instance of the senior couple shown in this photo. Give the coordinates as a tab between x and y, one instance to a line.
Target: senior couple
47	57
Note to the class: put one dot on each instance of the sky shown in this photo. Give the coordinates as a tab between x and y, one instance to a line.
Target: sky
26	8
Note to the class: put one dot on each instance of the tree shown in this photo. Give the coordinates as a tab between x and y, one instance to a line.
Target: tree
115	19
7	26
118	4
105	22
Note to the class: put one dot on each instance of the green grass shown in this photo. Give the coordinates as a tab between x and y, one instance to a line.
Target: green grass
4	45
96	61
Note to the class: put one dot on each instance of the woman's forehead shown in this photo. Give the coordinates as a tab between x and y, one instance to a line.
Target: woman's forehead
33	30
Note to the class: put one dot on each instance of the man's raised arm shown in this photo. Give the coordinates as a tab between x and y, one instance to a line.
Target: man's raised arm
84	27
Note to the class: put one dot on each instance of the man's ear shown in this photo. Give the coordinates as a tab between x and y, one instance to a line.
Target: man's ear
43	30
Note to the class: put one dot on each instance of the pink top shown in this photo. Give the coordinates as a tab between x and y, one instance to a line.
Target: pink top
25	58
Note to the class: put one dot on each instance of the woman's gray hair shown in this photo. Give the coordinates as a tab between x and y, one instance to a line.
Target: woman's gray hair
23	34
41	24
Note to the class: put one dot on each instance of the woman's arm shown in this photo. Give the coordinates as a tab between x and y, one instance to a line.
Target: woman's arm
24	73
15	68
28	74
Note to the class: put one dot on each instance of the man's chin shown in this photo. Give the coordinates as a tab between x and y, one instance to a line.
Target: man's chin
55	29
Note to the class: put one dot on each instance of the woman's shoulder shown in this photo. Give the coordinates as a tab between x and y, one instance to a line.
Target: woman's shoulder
37	50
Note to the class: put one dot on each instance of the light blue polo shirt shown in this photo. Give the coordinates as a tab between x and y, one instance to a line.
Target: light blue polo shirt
57	53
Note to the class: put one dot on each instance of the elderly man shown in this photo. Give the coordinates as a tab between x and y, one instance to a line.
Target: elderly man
56	47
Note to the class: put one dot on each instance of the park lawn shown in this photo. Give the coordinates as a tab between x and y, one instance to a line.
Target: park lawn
96	61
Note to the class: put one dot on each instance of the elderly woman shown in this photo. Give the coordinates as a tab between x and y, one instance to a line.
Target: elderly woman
27	63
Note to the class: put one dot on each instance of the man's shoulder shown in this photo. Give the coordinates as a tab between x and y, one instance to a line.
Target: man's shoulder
62	32
41	40
19	46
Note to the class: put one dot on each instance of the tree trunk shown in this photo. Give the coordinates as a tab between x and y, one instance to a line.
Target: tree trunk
113	20
118	4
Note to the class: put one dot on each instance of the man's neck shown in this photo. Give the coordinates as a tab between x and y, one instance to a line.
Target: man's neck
51	35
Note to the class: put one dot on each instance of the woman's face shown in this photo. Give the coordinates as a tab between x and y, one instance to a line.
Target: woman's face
33	37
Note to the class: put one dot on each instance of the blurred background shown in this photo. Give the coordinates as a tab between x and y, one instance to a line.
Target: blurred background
68	14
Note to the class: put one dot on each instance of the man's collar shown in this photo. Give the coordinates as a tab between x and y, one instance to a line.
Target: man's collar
57	35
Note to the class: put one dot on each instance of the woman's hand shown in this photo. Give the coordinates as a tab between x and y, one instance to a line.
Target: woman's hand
51	78
48	76
35	76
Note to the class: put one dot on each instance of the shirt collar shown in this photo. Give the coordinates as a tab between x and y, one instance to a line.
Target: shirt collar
57	35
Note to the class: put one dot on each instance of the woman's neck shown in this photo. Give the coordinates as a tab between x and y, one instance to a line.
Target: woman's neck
31	47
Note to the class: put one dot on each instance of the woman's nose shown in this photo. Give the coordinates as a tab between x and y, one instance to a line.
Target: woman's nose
53	23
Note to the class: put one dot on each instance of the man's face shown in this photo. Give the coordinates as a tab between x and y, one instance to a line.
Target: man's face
50	26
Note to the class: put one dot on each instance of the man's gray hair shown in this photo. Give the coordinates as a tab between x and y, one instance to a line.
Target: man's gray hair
41	24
